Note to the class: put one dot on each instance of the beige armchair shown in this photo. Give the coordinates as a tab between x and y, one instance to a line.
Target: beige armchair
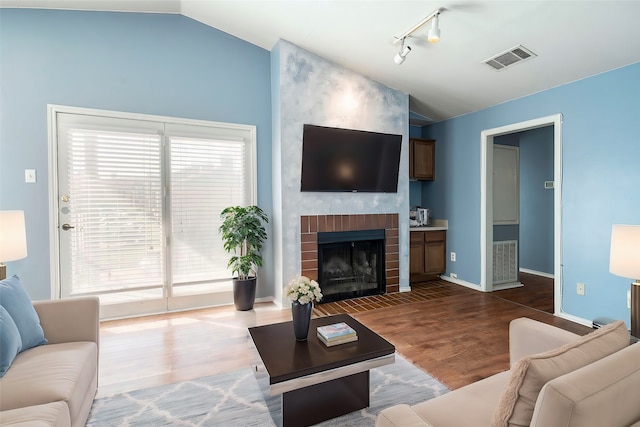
557	379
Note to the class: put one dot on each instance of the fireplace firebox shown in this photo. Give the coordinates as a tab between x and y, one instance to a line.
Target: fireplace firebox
351	264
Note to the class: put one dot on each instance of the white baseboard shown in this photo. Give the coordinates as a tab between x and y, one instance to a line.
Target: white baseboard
503	286
272	300
538	273
575	319
461	283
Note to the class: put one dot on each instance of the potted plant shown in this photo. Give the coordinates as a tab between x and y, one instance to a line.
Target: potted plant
243	234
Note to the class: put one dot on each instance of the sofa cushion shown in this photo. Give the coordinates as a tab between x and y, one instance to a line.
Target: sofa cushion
49	373
55	414
603	393
531	373
15	300
468	406
401	415
10	342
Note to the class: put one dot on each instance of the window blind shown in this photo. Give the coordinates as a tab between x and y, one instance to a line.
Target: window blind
207	175
114	190
145	199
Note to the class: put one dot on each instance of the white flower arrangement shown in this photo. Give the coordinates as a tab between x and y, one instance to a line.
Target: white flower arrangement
303	290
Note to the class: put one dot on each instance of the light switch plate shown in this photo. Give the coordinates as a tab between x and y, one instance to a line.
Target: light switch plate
30	176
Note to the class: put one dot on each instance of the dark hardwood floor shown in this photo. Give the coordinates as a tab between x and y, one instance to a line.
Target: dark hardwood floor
537	292
456	334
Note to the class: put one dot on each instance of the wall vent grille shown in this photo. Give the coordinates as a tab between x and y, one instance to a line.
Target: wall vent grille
505	262
509	57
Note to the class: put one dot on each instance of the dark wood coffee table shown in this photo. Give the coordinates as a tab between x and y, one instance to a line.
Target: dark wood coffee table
317	382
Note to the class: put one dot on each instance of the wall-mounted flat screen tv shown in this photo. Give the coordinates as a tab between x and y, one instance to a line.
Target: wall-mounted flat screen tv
335	159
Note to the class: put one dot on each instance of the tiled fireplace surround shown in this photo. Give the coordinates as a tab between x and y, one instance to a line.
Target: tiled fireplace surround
310	225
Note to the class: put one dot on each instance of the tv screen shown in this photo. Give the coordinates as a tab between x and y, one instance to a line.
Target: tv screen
336	159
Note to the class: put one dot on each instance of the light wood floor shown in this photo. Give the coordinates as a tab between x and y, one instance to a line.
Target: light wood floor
456	334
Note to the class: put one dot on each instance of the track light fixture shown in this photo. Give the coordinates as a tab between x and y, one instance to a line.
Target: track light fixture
433	37
434	32
402	55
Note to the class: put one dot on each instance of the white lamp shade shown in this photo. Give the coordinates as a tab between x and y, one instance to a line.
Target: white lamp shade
13	237
625	251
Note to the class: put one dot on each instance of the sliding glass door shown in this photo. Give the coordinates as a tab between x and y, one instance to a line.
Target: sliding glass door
138	204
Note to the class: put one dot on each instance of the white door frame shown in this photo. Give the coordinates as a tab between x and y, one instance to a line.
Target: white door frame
486	199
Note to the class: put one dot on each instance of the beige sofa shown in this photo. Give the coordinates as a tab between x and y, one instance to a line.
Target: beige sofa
54	384
556	379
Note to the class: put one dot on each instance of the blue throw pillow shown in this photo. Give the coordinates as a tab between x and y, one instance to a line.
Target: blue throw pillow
15	300
10	342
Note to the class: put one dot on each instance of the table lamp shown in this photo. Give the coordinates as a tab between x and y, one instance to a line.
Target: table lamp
13	238
625	261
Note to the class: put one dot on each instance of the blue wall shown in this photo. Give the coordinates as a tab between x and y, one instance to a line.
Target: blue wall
143	63
601	181
536	202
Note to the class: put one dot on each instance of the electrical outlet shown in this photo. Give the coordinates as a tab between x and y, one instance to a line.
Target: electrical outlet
453	256
453	275
580	288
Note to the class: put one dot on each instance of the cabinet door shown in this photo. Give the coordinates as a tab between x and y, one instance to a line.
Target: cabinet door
416	252
506	185
435	252
434	257
422	159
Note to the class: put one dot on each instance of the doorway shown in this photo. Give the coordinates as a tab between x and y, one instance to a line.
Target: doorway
486	210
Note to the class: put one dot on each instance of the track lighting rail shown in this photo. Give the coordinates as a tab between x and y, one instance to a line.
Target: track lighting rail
416	27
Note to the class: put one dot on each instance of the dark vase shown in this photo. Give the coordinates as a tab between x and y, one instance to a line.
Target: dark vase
301	318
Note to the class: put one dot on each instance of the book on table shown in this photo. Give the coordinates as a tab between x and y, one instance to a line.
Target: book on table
336	341
337	333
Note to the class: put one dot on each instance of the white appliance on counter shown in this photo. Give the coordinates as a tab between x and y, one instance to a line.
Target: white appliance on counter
419	217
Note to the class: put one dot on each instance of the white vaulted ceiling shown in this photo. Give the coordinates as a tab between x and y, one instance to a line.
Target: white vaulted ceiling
572	40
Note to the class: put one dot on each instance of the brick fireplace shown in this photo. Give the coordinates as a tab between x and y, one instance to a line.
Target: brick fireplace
311	225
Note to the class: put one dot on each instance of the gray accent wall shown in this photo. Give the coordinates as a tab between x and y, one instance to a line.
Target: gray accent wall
312	90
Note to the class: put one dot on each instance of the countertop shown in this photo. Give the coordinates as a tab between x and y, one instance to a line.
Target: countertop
436	225
428	228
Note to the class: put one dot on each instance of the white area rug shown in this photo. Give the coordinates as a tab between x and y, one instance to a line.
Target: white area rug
235	399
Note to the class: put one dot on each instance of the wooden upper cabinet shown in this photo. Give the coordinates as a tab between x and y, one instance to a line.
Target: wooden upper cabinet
422	154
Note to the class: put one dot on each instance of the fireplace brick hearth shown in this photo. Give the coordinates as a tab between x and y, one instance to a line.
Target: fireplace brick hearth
310	225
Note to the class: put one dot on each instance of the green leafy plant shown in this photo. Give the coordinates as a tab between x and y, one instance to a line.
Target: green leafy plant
243	234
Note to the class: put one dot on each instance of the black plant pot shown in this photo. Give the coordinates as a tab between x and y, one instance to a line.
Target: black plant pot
244	293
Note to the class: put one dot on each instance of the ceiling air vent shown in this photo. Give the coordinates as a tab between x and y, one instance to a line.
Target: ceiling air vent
510	57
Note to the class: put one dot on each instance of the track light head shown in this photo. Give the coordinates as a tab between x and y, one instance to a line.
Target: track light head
402	55
434	32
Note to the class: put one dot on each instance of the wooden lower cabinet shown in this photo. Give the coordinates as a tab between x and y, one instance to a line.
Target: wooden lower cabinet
427	254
